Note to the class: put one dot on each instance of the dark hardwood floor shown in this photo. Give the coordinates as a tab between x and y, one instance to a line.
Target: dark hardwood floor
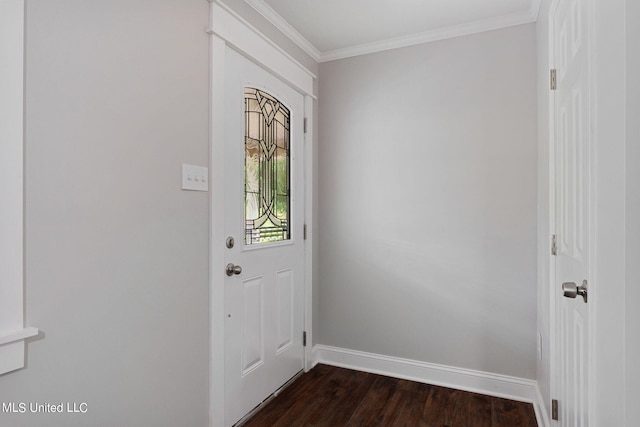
334	397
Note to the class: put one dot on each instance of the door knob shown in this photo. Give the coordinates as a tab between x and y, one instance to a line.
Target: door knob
571	290
233	269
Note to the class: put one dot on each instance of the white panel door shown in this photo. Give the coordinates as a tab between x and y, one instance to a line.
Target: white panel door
572	138
264	186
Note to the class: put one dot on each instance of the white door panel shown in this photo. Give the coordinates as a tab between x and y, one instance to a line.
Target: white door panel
572	139
263	302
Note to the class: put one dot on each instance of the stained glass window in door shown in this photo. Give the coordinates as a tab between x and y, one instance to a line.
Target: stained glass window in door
267	168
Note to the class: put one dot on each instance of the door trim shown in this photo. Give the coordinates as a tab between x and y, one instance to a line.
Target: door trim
227	28
553	333
13	332
245	38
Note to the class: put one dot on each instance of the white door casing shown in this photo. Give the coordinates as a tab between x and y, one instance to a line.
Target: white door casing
228	29
264	302
12	330
572	172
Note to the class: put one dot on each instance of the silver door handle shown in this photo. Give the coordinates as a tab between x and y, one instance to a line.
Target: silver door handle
233	269
571	290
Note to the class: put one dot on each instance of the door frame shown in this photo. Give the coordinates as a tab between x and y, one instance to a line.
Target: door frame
229	29
554	289
13	332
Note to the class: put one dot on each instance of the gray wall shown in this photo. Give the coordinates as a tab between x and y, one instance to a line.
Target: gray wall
427	202
116	253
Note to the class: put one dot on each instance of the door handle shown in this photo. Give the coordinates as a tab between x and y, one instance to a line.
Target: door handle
233	269
571	290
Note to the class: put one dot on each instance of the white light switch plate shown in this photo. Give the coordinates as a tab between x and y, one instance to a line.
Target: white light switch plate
195	178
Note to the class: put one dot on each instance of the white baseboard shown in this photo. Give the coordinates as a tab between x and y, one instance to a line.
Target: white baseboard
541	410
312	361
504	386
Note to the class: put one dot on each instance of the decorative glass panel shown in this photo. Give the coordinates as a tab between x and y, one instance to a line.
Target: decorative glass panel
267	168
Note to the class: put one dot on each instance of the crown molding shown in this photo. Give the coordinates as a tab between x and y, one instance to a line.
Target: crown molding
281	24
430	36
535	9
474	27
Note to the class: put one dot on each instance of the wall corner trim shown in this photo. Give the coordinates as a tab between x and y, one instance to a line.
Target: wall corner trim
514	388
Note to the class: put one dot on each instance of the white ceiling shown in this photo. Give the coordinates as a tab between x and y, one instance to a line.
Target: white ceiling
332	29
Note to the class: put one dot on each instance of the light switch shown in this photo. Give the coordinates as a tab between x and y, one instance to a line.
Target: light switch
195	178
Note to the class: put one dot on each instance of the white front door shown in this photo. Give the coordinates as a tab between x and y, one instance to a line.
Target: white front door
572	141
264	185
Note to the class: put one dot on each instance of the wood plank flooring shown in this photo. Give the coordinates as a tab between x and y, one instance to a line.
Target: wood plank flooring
334	397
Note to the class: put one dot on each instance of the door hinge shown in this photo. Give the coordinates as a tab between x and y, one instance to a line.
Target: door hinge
553	79
305	125
304	232
304	338
554	409
554	245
